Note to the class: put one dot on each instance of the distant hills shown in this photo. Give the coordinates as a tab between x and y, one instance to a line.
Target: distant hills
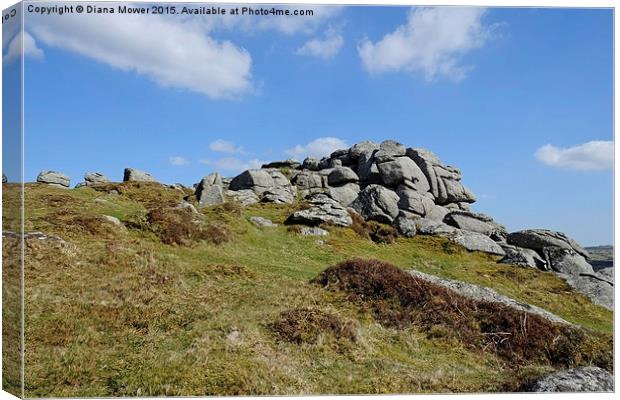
601	256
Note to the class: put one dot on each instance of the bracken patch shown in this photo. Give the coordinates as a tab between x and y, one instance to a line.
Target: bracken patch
378	233
400	300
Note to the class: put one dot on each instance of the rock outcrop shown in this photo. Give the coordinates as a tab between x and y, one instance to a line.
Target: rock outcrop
323	209
209	191
270	185
136	175
586	379
53	178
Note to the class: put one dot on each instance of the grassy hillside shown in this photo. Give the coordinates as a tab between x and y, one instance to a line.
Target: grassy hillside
117	311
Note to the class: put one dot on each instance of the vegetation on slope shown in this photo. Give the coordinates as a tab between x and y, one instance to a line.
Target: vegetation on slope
118	311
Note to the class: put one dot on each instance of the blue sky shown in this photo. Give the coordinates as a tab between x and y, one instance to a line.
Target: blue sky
521	100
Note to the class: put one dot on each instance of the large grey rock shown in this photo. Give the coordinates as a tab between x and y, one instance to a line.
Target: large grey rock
444	181
209	191
367	169
366	147
539	239
95	178
437	213
341	175
473	222
308	182
402	169
597	287
136	175
377	203
345	194
211	195
269	184
53	178
405	225
389	150
481	293
473	241
322	209
278	195
311	164
584	379
566	261
414	201
522	257
426	226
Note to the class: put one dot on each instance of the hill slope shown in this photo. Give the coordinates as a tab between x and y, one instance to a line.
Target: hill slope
114	310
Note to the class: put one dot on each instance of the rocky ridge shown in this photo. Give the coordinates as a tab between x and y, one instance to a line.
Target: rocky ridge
408	188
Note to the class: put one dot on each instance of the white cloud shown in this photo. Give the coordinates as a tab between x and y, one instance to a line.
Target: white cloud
431	42
594	155
171	51
317	148
326	48
14	48
225	146
178	161
232	164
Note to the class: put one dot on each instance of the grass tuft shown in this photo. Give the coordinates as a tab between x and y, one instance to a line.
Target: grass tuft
305	325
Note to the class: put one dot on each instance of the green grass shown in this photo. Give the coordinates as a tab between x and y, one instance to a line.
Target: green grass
119	313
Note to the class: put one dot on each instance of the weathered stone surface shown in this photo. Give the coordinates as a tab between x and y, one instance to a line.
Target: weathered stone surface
290	163
278	195
597	287
322	209
244	197
474	222
566	261
522	257
209	191
53	178
481	293
210	195
95	178
414	201
263	222
341	176
377	203
136	175
437	213
473	241
389	150
426	226
584	379
269	184
367	169
366	147
444	180
308	182
345	194
403	169
313	231
311	164
405	225
539	239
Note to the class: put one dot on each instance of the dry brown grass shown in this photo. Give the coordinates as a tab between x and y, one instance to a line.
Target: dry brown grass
180	226
305	325
398	299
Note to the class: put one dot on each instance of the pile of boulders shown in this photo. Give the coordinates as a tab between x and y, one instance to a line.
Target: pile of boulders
408	188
